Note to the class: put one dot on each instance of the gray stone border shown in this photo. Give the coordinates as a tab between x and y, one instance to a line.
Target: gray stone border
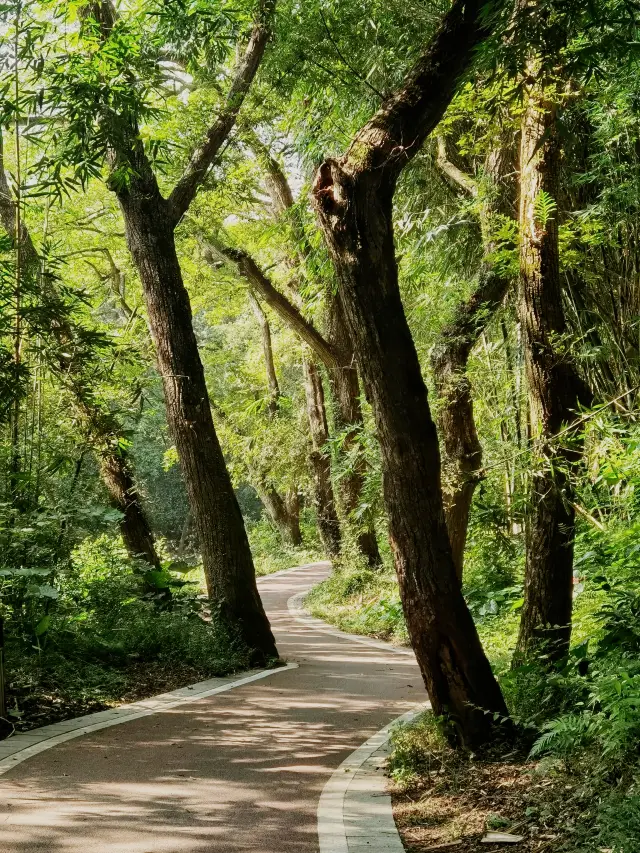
296	608
355	813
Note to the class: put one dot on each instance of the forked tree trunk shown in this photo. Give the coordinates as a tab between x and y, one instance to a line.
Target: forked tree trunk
327	517
354	201
226	556
555	389
283	512
462	449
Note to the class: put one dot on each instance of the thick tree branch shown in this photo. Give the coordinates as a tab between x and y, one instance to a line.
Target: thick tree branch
455	175
261	284
204	155
396	133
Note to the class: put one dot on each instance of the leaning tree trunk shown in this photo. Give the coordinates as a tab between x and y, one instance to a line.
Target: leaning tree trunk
150	223
267	351
327	517
343	378
134	527
555	389
462	449
226	556
354	201
284	513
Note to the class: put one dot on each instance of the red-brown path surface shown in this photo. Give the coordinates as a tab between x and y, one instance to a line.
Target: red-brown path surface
239	771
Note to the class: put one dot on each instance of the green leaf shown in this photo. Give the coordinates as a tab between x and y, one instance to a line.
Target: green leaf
43	625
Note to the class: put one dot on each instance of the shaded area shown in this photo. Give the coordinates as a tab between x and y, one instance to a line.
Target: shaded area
239	771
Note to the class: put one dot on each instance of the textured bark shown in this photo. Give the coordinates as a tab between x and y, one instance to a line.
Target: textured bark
134	527
327	517
226	556
267	351
354	200
115	466
555	389
463	452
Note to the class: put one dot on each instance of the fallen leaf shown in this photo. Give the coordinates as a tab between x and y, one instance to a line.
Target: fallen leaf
501	838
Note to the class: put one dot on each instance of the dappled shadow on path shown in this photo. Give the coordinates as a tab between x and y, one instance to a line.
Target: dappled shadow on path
235	772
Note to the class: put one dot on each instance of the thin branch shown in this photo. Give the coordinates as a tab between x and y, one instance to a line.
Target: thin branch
357	74
261	284
456	175
205	154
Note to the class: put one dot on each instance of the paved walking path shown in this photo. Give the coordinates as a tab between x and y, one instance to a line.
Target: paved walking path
237	771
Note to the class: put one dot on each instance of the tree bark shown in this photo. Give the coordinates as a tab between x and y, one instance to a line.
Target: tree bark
283	512
134	527
226	556
462	449
327	517
354	200
555	389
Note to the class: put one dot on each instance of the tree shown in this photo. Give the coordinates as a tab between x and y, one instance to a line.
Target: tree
556	391
353	198
150	222
106	433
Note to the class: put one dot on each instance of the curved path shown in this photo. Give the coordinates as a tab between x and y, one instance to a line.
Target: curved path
238	771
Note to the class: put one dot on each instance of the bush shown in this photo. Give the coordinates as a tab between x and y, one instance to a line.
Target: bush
103	637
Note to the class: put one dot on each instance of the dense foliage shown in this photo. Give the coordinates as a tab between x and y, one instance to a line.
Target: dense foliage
100	527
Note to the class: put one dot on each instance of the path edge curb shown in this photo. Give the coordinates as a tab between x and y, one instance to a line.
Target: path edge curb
355	812
296	608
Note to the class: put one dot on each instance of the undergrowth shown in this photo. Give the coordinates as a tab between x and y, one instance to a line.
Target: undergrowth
96	637
579	776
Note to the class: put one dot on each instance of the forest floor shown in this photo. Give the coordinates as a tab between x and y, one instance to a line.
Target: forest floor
451	810
41	702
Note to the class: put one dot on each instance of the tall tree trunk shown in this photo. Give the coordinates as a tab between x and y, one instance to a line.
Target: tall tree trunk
267	350
354	201
226	556
115	466
343	378
555	389
327	517
463	452
150	223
